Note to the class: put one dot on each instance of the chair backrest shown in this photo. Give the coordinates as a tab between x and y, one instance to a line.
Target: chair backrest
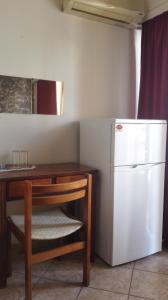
56	194
59	193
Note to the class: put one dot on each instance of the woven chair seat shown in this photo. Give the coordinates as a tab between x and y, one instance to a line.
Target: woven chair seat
52	224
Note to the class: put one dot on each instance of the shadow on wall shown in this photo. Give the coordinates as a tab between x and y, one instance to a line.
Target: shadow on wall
56	145
57	3
47	140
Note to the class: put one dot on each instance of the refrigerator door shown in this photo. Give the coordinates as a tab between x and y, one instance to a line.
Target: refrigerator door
138	143
137	212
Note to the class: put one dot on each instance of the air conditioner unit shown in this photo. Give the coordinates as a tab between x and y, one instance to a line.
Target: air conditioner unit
122	12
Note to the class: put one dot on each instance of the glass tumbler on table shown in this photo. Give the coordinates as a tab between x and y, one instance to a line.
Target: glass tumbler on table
23	159
15	158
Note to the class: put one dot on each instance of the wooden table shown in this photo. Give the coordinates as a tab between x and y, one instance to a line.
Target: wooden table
11	188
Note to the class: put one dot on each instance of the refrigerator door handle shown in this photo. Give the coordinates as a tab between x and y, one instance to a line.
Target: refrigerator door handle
150	165
134	166
142	165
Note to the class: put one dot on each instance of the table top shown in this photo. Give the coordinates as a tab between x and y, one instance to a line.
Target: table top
44	170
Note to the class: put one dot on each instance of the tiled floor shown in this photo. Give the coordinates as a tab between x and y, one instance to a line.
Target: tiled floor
60	279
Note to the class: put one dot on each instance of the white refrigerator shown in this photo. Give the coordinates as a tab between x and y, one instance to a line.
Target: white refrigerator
130	157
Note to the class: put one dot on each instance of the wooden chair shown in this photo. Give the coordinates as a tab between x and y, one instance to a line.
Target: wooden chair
52	224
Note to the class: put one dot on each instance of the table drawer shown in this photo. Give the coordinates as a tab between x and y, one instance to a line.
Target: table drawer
63	179
16	188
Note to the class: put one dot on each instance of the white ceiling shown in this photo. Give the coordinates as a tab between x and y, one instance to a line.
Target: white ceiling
156	7
108	10
154	3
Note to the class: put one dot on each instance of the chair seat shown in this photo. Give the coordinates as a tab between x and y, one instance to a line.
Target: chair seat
52	224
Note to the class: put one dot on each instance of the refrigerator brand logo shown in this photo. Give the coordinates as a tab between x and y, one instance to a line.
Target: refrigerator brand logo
119	127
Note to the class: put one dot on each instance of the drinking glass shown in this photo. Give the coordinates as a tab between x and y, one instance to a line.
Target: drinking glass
23	160
15	158
2	165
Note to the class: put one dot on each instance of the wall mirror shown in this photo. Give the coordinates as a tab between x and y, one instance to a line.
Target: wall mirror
31	96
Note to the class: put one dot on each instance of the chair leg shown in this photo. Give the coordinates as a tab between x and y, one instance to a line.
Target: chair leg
9	252
28	276
86	266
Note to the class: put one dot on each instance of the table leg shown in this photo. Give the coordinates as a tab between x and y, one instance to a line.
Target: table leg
94	201
3	236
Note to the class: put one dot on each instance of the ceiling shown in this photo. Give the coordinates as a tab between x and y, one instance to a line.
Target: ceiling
156	7
154	3
130	13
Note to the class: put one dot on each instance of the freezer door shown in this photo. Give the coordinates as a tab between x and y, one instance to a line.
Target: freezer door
137	212
139	143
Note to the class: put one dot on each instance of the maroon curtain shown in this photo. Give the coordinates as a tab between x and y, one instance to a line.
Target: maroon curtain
153	99
46	97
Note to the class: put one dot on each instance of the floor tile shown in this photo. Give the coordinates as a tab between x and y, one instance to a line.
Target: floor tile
61	278
15	289
65	269
154	263
129	265
37	270
52	290
94	294
149	285
111	279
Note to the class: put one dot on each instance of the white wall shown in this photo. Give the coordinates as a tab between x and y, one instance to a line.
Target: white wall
37	40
